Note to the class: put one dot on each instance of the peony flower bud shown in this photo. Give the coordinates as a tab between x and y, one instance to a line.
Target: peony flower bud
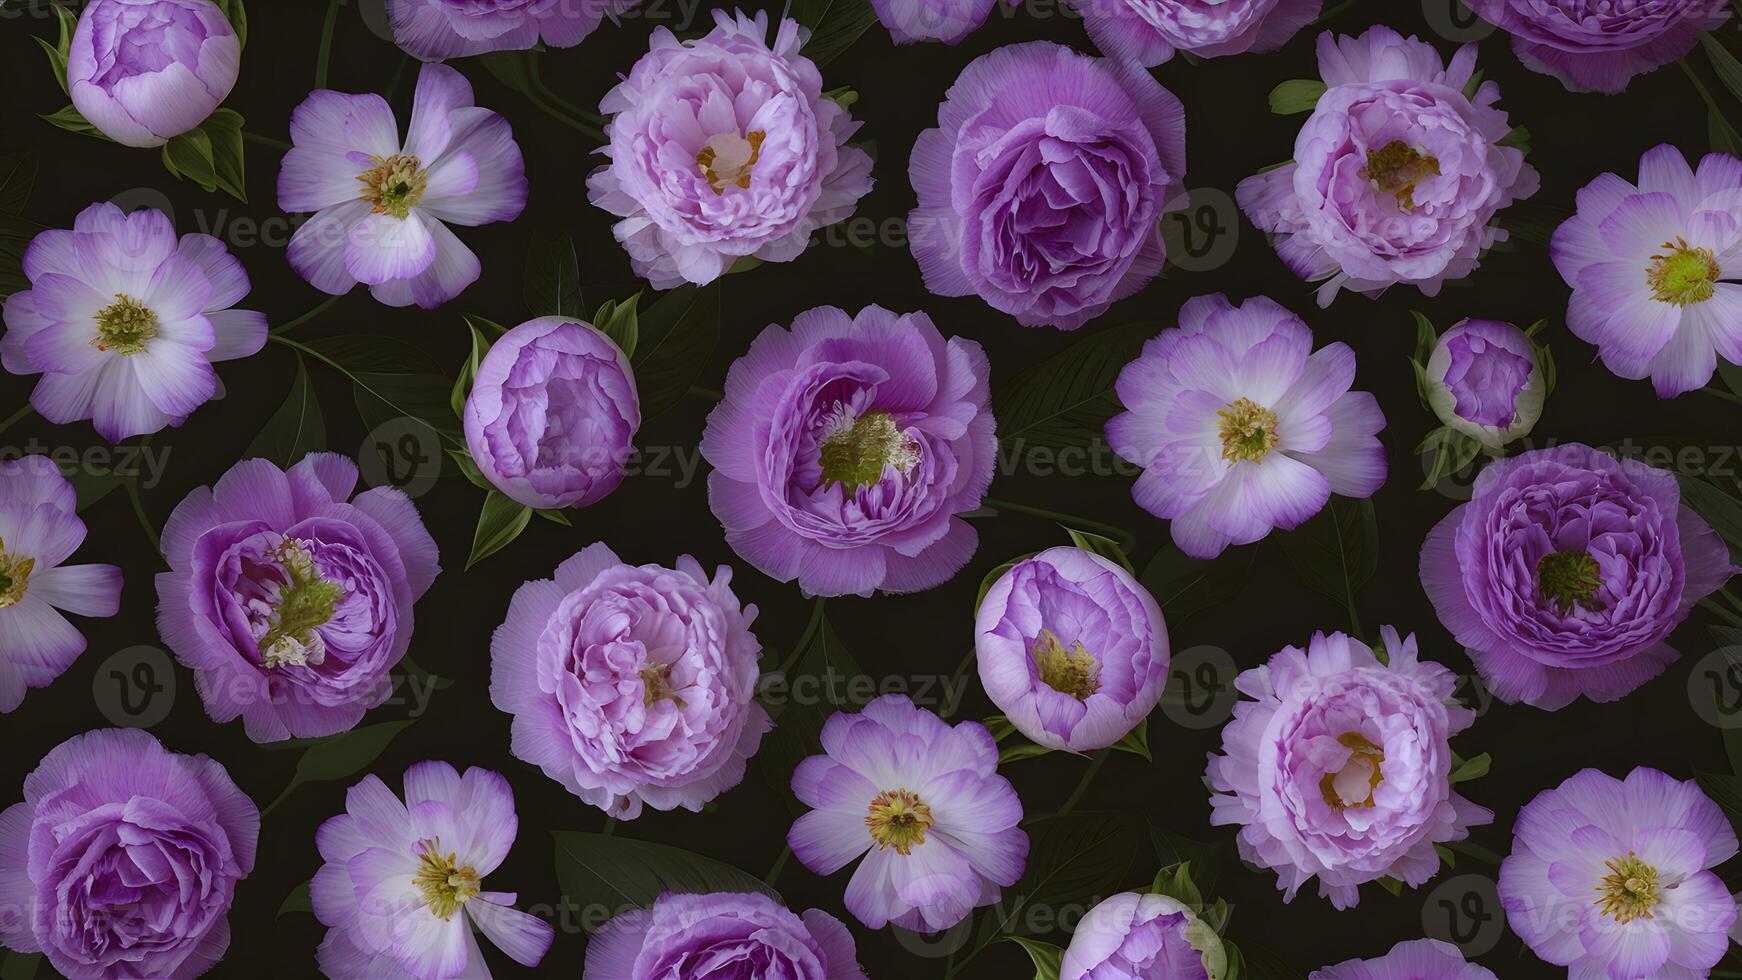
1486	381
147	71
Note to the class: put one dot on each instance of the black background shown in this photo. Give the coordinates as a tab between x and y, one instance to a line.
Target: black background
1231	134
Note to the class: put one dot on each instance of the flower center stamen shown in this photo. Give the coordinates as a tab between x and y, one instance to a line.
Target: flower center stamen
14	576
124	327
856	450
1629	891
1683	275
899	819
656	685
726	159
306	602
1070	671
1568	579
1352	787
1396	168
1248	431
394	185
446	885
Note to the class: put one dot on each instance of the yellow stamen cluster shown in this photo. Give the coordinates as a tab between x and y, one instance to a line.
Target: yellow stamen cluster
898	818
1070	671
394	184
1683	275
124	327
14	576
445	884
1629	891
727	159
1248	431
1365	757
1396	168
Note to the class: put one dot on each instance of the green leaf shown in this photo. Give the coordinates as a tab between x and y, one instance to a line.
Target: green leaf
237	14
517	70
1096	544
1468	769
1450	450
552	280
296	428
1175	881
1136	741
1448	856
1184	585
481	333
210	155
1723	789
1721	134
344	756
1337	551
1474	85
1719	509
377	353
834	24
1391	885
1076	859
611	872
59	52
1296	95
500	521
469	469
677	337
1532	222
1518	138
71	120
999	726
1205	858
817	686
621	323
392	379
1047	958
1066	400
1426	336
1021	749
1732	375
296	901
17	178
1724	64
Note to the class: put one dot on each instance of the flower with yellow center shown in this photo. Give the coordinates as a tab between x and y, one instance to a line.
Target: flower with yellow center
1682	275
1248	431
727	159
306	601
124	327
1351	787
856	449
1070	671
14	576
898	818
1396	168
656	686
444	882
1629	891
1568	579
394	184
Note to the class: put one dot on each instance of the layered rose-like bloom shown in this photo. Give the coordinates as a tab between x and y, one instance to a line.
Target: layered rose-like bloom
146	71
1071	648
1567	571
40	528
1597	45
925	800
1613	879
1652	268
1423	959
1148	32
436	29
721	934
1341	768
631	685
402	883
123	321
289	598
382	204
1043	198
845	448
1485	380
724	148
1134	936
1398	175
1241	427
948	21
123	859
552	414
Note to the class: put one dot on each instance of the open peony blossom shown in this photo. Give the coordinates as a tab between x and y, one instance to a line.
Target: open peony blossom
1137	936
436	29
383	204
1599	45
1654	266
1566	572
1398	176
123	321
1241	427
845	448
724	148
1150	31
1071	648
40	527
1614	878
1485	380
922	802
123	859
631	685
1041	187
1341	768
948	21
402	886
290	599
721	935
146	71
1423	959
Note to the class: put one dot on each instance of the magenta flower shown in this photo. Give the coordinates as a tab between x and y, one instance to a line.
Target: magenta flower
1597	45
1072	649
1241	427
289	598
696	937
1613	879
1485	381
382	204
1653	267
1138	936
631	685
1341	768
40	528
1423	959
845	448
1043	199
1398	175
146	71
1148	32
948	21
402	885
724	148
123	321
552	415
925	800
123	859
433	30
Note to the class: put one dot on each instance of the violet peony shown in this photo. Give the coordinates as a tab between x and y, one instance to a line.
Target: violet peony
1599	45
1148	32
721	935
146	71
436	29
1485	380
1423	959
1137	936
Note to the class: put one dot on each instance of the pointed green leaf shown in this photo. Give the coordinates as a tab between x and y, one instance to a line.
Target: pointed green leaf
500	521
296	428
1296	95
1046	957
552	279
612	872
1066	400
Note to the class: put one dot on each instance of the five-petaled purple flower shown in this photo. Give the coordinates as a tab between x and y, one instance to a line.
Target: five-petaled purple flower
1599	45
719	935
146	71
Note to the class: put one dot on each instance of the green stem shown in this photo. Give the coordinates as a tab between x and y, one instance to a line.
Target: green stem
398	76
1076	794
1125	538
284	328
266	141
1728	396
576	111
779	866
592	132
1706	96
280	798
610	827
16	416
323	59
805	638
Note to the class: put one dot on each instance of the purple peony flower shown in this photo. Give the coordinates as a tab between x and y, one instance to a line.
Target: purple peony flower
1566	572
1340	769
146	71
722	934
1241	427
1612	879
552	414
39	529
123	859
722	148
1398	175
845	448
290	599
1148	32
436	29
382	205
631	685
1484	380
1043	199
123	321
925	800
402	886
1072	649
1134	936
1598	45
1652	269
1423	959
948	21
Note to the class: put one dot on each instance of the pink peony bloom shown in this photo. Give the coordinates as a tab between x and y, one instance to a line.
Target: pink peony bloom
1150	31
436	29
